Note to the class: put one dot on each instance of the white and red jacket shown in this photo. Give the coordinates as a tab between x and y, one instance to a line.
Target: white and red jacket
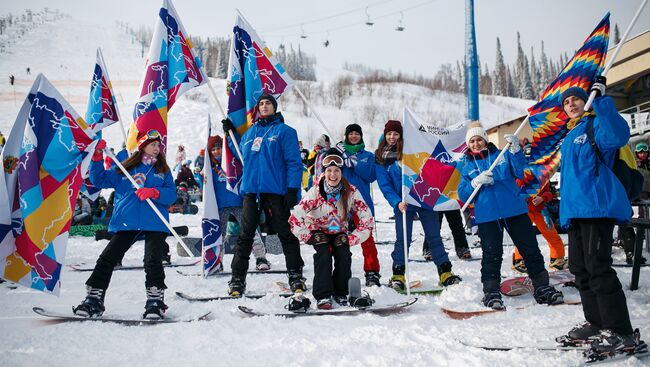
314	212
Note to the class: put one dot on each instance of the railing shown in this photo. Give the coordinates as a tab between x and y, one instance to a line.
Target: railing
638	118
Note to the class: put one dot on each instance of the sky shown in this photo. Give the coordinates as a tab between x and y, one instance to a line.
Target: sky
433	35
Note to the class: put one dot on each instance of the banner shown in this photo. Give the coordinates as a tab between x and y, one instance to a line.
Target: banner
210	224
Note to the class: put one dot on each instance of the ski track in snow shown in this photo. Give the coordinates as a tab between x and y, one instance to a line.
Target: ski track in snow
421	336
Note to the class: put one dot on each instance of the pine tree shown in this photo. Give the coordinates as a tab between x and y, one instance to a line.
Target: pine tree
526	91
534	73
617	35
520	72
544	72
499	83
511	89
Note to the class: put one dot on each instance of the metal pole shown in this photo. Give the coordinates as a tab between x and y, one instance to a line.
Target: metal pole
223	113
313	110
119	116
405	237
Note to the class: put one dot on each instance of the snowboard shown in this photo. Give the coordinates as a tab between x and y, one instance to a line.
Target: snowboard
85	267
339	311
122	321
518	286
463	315
190	298
626	265
224	273
431	261
512	347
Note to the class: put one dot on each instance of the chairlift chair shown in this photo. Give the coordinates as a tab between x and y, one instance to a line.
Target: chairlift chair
400	26
369	22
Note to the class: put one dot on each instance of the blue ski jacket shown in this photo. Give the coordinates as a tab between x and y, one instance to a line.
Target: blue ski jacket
362	175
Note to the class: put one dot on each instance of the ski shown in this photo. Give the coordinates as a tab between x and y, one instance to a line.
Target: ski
84	267
191	298
339	311
463	315
513	347
122	321
225	273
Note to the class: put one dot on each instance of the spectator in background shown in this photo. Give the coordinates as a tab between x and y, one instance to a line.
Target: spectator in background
180	157
198	161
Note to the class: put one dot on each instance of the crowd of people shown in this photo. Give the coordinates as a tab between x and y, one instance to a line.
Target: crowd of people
335	212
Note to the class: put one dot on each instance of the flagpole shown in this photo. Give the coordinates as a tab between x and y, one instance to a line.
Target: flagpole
151	204
117	109
405	237
494	164
592	95
313	110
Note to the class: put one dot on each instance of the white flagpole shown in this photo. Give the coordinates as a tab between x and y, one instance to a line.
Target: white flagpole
117	109
405	237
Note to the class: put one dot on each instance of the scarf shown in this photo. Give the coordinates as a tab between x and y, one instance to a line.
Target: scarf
149	160
333	195
389	154
353	148
574	121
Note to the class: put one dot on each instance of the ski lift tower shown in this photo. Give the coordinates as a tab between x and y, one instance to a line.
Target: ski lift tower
471	63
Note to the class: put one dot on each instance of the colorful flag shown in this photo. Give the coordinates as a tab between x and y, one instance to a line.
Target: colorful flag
210	224
548	120
253	71
102	107
429	177
172	69
47	152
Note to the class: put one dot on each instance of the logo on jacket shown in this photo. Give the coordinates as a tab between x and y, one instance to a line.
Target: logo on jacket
581	139
273	138
140	178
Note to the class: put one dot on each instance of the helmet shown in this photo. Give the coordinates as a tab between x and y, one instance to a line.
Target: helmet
641	147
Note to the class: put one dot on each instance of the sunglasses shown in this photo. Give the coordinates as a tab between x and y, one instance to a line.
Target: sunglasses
333	160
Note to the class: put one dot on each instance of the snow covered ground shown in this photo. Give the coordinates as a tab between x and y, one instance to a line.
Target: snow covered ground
421	336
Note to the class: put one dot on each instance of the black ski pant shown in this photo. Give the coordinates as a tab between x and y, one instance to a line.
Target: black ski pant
251	209
590	260
455	221
521	230
154	248
328	282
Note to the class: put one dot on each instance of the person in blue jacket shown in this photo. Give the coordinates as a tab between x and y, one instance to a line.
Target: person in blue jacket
389	177
498	206
593	200
132	216
359	169
230	204
271	179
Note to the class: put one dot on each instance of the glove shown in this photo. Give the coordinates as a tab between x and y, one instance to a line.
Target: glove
599	85
291	198
514	143
317	238
341	239
145	193
350	161
227	126
98	156
484	178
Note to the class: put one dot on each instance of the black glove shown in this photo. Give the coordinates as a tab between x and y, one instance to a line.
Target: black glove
227	126
317	238
341	239
599	85
291	198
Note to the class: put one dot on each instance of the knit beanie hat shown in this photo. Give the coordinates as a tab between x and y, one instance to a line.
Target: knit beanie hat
214	140
269	97
322	141
393	125
146	137
353	127
573	91
475	128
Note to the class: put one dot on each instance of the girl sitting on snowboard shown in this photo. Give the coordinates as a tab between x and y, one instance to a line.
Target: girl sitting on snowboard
321	220
132	216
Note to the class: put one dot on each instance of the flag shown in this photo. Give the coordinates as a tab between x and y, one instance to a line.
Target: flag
210	224
252	71
102	107
89	190
430	178
548	120
47	152
172	69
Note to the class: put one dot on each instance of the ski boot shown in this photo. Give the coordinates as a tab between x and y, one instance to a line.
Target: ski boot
519	266
297	281
558	264
298	303
262	264
356	299
167	259
610	344
237	286
548	295
493	300
325	303
341	300
93	305
464	254
629	258
397	282
155	307
447	278
580	335
372	279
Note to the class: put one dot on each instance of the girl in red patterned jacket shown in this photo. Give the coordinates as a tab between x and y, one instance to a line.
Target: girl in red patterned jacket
321	220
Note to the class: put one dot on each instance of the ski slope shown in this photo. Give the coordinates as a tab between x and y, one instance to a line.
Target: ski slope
422	336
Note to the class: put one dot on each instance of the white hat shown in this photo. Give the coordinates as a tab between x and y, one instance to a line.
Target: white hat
475	128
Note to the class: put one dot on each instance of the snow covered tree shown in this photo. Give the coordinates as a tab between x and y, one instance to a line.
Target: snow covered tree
617	35
499	83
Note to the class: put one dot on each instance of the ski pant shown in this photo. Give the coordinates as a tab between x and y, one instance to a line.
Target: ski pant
368	249
521	230
330	281
259	251
553	239
590	260
154	249
251	208
431	227
630	239
455	221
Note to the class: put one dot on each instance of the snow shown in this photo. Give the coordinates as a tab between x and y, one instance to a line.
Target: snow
422	336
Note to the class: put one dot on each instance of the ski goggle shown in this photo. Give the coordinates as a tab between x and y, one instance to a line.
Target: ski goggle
150	135
641	149
333	160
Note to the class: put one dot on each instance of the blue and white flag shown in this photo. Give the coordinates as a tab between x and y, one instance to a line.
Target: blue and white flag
212	249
